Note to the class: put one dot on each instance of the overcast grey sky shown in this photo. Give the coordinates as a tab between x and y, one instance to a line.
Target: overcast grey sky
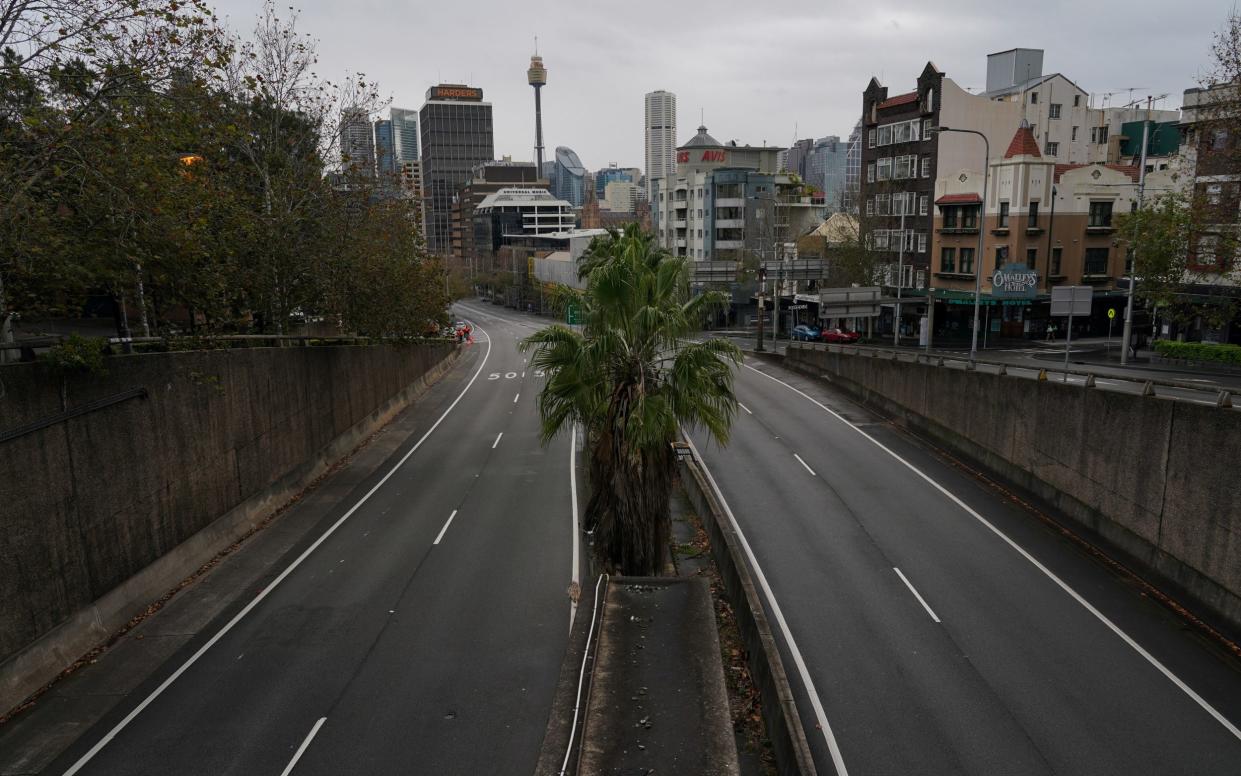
757	70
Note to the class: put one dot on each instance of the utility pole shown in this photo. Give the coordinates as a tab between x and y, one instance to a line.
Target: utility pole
762	286
1133	266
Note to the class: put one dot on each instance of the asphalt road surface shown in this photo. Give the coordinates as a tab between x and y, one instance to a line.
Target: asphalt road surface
930	625
419	629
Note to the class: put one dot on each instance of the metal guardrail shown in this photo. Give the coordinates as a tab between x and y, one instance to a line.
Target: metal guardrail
299	339
1223	395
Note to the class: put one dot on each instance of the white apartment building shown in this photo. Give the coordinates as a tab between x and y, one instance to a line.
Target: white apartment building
661	137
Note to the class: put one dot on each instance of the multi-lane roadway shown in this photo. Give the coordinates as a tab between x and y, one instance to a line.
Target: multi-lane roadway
419	629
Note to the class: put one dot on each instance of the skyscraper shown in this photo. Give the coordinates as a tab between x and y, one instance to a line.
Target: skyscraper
456	136
385	149
661	137
405	134
570	179
853	171
357	143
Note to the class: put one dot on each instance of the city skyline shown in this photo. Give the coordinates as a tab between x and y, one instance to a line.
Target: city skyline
798	68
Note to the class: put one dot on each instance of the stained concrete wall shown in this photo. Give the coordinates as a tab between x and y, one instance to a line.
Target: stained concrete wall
1155	478
102	513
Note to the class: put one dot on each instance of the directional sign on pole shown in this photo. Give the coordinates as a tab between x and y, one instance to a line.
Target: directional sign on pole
1071	300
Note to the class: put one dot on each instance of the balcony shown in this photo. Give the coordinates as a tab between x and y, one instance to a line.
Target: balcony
680	242
1034	230
679	223
1100	229
958	230
1000	231
730	223
730	202
724	245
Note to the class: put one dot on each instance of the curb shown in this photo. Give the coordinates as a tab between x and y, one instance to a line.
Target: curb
780	716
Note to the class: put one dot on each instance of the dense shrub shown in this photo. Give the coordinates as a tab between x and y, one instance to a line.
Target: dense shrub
1199	351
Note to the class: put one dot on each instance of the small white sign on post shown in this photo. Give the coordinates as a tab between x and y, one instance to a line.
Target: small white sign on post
1070	301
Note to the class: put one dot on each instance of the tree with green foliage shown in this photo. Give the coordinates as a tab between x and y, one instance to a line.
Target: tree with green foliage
630	378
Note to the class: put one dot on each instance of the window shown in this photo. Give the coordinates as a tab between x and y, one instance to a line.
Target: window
1100	214
1051	149
969	217
1098	135
870	207
1033	98
1077	101
883	204
926	129
699	234
1031	257
967	261
700	212
1002	220
1055	260
1032	223
1214	193
921	242
905	167
1073	135
923	204
1053	110
885	135
870	139
870	172
1220	140
1096	261
1001	255
885	169
948	260
926	167
950	217
1206	256
881	239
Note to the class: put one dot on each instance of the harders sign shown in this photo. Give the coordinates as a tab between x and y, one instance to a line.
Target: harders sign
1014	281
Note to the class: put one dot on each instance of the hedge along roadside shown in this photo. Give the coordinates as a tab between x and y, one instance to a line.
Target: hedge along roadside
1199	351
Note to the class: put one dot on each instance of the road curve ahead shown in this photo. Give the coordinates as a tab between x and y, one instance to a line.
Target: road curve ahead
930	625
419	628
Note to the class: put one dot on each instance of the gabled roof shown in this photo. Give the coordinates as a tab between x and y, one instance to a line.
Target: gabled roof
1023	143
959	199
900	99
1128	169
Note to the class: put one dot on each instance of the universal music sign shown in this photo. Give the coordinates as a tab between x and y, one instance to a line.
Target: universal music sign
1014	281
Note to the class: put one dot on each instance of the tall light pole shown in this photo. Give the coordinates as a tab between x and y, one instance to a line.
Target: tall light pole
775	315
900	280
1133	269
982	219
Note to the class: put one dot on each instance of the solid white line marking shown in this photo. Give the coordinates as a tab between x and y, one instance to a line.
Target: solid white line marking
747	409
832	747
917	595
1231	728
111	734
576	531
803	463
302	749
515	398
493	444
444	530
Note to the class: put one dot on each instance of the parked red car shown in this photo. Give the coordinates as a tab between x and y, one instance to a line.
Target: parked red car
839	336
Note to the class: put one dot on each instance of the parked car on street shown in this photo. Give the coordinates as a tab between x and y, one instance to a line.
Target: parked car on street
840	336
805	333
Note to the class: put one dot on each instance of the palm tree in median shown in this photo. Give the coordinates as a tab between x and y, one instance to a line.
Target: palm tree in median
630	378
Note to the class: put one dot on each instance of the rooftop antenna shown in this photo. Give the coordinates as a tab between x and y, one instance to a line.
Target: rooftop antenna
536	45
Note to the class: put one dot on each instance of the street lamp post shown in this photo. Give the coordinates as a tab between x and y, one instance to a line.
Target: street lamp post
982	219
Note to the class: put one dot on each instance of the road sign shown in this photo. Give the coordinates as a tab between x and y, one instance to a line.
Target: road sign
573	315
1111	312
1071	300
797	307
849	302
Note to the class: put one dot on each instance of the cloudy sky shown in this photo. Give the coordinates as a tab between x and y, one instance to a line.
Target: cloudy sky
757	71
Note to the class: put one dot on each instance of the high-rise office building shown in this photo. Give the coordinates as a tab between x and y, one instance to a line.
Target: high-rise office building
357	142
456	137
404	134
385	149
853	171
661	137
570	180
825	169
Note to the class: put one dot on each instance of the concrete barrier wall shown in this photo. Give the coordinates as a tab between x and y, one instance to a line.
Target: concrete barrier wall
102	513
1156	478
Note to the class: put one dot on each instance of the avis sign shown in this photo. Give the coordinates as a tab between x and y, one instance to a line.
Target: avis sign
710	155
1014	281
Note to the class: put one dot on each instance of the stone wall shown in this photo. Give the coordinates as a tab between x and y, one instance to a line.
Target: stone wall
1155	478
102	512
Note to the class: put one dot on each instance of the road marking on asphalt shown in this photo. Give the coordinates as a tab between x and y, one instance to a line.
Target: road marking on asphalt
302	749
1208	708
111	734
444	530
833	748
575	578
515	398
747	409
803	463
497	442
917	595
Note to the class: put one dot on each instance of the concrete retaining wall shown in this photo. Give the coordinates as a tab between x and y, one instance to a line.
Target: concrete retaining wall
1155	478
100	514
